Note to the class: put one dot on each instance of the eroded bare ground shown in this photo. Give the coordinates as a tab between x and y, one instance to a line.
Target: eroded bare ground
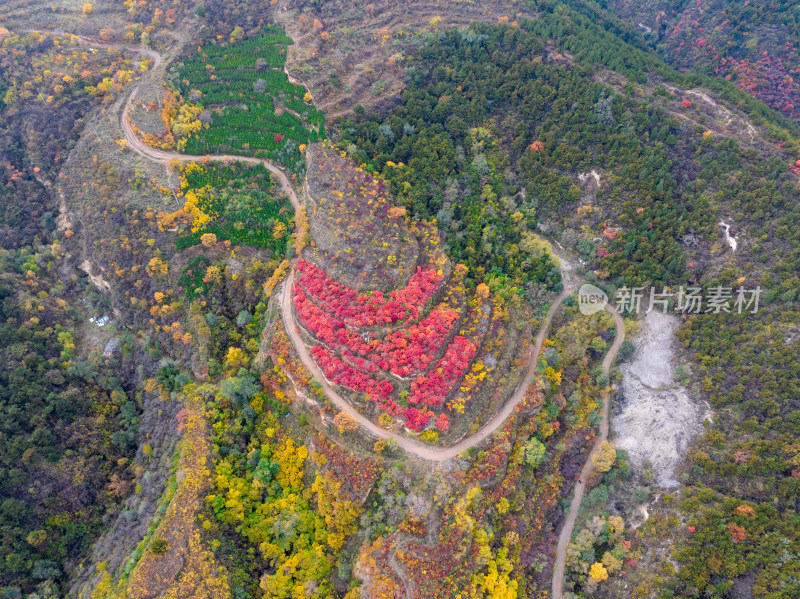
657	417
349	52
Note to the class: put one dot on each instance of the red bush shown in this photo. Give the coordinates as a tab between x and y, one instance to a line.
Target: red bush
432	388
329	310
443	422
314	319
409	351
368	309
401	352
416	419
342	374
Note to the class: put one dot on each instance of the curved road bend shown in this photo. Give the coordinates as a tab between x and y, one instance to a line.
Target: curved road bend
436	454
162	156
429	453
418	449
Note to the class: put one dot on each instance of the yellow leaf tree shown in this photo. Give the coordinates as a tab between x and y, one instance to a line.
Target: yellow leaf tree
605	457
598	572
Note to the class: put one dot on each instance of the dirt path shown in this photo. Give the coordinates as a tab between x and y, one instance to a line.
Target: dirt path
87	41
392	561
162	156
436	454
580	488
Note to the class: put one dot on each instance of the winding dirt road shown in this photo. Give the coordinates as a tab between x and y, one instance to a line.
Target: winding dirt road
436	454
163	156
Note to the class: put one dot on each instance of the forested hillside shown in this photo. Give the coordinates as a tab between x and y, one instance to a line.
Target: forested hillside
68	420
287	298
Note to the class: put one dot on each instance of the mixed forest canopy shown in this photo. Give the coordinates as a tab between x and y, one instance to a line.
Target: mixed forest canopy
497	100
160	431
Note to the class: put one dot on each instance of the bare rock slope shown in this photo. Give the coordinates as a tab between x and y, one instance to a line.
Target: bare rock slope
658	419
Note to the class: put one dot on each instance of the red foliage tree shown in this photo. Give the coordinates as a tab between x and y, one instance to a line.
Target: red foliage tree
432	388
442	422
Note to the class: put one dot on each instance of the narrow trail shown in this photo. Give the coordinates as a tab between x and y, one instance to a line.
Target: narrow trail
580	488
436	454
163	156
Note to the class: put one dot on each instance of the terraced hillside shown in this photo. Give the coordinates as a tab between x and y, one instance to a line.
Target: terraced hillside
388	317
237	98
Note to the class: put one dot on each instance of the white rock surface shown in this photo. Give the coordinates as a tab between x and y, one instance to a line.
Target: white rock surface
658	418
